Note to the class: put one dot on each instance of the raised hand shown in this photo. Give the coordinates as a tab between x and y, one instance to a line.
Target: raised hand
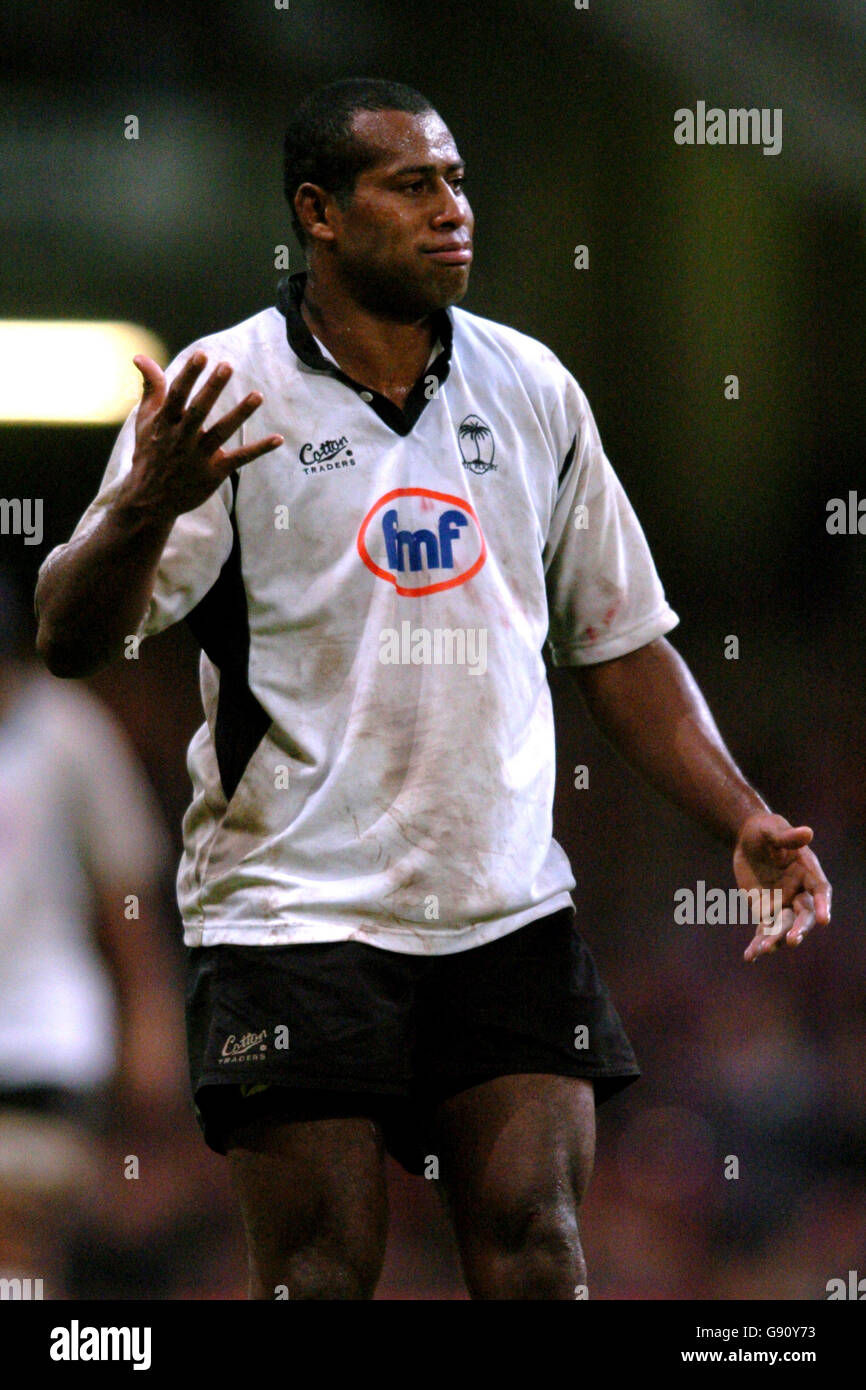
176	464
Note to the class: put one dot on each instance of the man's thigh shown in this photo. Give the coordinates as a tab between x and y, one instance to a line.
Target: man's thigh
516	1156
313	1199
294	1052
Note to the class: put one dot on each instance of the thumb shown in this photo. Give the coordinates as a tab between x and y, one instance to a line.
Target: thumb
794	837
153	380
781	847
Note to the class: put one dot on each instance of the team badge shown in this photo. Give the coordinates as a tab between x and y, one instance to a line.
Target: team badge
476	444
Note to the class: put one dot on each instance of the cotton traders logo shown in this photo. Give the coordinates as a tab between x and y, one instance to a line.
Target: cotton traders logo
476	445
248	1048
422	541
327	456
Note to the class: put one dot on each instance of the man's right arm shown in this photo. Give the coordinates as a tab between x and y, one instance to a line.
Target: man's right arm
96	590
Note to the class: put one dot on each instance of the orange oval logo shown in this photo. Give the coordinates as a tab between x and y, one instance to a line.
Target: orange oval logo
422	541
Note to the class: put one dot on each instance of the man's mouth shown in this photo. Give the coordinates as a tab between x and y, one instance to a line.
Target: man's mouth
451	253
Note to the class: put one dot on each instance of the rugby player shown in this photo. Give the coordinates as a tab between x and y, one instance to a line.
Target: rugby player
373	508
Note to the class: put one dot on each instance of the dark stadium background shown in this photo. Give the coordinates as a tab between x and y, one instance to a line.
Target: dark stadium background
703	262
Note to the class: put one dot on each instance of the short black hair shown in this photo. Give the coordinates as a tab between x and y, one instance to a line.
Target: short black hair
319	146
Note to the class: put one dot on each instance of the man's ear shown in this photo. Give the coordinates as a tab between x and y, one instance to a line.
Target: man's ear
315	210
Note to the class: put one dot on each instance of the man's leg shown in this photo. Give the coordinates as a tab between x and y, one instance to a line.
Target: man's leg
516	1156
314	1205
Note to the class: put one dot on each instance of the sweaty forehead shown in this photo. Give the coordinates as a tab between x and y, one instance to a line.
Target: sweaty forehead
399	137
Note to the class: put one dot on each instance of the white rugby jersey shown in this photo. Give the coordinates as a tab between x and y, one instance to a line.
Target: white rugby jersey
372	600
77	820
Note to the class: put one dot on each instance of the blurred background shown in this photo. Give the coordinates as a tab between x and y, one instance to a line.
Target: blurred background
703	262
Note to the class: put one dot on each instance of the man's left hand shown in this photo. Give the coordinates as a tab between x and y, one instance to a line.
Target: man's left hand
771	854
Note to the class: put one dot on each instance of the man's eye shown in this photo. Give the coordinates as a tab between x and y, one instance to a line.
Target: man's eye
415	187
457	184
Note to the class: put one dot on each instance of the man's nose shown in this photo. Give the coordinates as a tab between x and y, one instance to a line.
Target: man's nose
451	207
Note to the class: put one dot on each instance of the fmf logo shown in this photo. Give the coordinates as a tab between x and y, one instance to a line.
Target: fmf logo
422	541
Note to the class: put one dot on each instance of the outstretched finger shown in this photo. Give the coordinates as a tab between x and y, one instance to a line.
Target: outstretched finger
804	921
201	404
816	883
238	457
217	435
183	383
769	934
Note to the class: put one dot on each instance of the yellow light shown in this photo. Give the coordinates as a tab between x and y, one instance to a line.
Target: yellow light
69	371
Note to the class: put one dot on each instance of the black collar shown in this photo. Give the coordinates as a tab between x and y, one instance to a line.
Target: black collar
290	292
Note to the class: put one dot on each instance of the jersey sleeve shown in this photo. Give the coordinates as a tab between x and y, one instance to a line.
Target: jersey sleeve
199	542
605	598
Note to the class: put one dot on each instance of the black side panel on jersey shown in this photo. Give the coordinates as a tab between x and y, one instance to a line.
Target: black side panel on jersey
567	464
220	625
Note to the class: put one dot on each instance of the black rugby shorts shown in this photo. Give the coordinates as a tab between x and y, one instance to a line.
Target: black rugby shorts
306	1032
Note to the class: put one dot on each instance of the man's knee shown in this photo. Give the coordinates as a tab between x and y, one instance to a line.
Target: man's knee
532	1223
317	1272
314	1206
528	1247
329	1253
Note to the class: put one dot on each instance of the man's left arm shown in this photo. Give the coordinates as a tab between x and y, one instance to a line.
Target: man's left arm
649	706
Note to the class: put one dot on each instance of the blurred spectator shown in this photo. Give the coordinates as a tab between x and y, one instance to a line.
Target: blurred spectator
89	1021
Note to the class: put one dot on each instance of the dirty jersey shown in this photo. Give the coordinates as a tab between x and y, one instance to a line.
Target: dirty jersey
372	601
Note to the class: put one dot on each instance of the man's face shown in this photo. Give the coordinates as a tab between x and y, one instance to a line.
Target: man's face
403	245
